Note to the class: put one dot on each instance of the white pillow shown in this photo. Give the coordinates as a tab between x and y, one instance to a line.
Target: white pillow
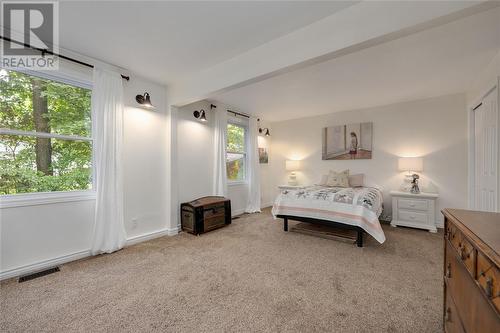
324	180
338	179
357	180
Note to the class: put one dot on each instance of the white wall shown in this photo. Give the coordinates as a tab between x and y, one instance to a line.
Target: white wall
146	164
433	128
194	152
195	157
36	236
33	235
484	80
266	183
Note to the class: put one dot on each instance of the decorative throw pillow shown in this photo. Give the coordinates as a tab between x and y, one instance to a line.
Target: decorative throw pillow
338	179
324	180
357	180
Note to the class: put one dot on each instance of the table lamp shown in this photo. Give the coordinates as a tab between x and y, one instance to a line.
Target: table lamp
292	166
412	165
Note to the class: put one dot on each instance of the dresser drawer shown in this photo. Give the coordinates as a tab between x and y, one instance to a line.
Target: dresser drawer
465	293
454	236
467	254
488	276
464	249
452	323
413	204
409	216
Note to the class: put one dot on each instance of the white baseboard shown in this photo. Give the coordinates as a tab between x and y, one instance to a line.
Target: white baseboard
242	211
151	235
49	263
237	212
266	205
44	264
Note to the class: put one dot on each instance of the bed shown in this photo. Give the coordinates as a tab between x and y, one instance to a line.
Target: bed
355	208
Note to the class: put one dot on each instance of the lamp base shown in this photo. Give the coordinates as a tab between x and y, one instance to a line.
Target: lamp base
415	189
292	179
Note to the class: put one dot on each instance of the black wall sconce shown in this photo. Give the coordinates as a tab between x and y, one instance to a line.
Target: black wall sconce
200	115
144	100
264	130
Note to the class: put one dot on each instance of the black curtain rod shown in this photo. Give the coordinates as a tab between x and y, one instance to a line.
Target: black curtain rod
45	51
239	114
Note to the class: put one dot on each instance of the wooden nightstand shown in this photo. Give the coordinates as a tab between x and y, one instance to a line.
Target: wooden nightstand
414	210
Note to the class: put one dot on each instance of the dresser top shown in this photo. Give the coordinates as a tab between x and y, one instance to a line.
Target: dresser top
483	225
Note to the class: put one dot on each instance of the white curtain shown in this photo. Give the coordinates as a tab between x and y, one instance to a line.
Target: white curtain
253	202
220	173
107	112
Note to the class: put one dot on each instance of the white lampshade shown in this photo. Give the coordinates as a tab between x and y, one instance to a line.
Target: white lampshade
292	165
411	164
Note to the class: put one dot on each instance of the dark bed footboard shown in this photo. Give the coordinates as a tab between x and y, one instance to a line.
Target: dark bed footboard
359	231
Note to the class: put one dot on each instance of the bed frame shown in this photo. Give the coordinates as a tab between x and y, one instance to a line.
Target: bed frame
359	237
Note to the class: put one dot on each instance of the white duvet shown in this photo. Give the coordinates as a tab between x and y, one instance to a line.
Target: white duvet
358	206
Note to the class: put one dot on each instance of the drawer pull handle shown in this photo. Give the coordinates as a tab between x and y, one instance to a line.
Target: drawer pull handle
489	287
463	255
448	271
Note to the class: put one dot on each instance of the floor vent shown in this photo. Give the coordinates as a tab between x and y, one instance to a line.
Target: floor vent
38	274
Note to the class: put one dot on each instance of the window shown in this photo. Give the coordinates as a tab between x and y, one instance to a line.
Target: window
236	153
45	135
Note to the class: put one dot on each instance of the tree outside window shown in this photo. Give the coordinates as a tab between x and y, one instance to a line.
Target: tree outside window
236	153
45	135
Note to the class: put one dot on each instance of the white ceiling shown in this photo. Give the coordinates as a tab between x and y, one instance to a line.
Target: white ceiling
439	61
167	40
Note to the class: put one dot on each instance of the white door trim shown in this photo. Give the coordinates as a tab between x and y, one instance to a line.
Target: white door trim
471	151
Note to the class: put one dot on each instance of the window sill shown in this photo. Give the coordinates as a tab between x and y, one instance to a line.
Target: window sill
44	198
237	183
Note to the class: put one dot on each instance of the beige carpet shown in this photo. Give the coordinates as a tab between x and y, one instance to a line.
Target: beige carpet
249	276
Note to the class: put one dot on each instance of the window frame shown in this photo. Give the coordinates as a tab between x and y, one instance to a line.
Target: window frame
41	198
241	124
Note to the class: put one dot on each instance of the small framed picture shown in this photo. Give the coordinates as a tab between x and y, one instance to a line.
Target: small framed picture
263	156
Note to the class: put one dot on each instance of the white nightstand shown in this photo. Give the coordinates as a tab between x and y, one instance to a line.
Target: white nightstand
414	210
290	187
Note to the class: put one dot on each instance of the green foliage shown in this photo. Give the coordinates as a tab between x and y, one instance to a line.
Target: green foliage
235	139
69	114
235	162
236	169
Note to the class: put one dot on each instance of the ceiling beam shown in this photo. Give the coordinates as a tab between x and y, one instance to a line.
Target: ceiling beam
357	27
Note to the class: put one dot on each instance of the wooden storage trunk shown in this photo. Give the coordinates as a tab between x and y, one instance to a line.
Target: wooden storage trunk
205	214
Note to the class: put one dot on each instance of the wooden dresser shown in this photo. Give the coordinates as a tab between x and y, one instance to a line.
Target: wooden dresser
471	271
205	214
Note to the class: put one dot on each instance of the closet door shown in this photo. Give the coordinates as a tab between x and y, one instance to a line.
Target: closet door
486	153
